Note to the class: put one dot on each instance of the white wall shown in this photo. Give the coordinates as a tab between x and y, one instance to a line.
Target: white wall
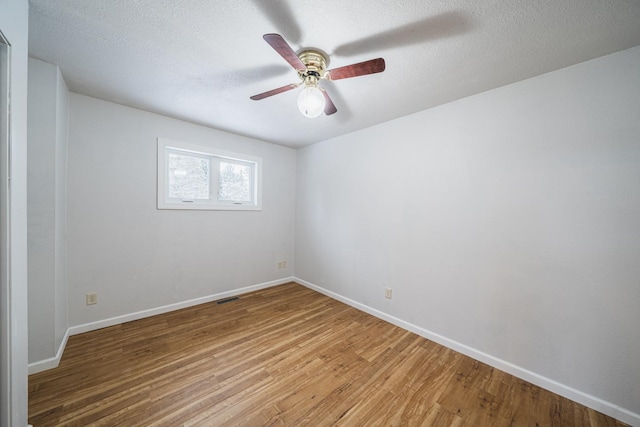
13	295
46	189
136	257
507	224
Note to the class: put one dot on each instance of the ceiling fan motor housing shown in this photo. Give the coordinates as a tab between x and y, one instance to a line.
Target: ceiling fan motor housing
316	63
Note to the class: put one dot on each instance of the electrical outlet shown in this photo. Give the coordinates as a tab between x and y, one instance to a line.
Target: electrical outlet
282	265
92	298
387	293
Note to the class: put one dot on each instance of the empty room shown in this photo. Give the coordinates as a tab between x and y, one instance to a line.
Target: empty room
274	212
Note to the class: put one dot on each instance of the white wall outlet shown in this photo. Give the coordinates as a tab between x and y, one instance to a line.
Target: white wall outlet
387	293
92	298
282	265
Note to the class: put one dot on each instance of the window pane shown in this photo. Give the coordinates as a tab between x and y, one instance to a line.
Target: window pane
235	182
188	177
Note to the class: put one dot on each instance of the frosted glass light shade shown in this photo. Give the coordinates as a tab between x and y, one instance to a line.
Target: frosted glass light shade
311	102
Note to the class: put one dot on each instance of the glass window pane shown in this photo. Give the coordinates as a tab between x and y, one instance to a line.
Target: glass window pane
188	177
235	182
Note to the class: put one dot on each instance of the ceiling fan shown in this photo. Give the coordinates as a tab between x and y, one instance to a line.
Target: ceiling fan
311	65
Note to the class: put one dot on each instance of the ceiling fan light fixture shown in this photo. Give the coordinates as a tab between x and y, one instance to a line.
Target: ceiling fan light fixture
311	65
311	101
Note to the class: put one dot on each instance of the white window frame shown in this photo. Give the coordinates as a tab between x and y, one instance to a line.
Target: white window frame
165	202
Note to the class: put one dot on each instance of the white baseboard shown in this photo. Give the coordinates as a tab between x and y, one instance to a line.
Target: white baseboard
79	329
53	362
585	399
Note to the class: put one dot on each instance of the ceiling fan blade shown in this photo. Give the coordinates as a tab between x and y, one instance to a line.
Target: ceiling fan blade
274	92
329	107
360	69
282	47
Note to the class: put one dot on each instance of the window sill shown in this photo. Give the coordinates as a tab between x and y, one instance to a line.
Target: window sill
207	207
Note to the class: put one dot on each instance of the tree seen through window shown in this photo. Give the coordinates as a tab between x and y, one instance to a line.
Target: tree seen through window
235	182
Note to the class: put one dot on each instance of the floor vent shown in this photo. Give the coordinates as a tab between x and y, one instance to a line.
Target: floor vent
226	300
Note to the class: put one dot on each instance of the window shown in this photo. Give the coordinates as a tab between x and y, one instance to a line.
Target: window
195	177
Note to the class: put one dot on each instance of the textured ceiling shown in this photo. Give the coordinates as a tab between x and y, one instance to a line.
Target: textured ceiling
200	60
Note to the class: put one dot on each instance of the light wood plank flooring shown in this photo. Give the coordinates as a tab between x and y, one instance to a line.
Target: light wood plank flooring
284	356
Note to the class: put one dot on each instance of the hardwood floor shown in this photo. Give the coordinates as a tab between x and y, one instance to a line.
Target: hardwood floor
283	356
